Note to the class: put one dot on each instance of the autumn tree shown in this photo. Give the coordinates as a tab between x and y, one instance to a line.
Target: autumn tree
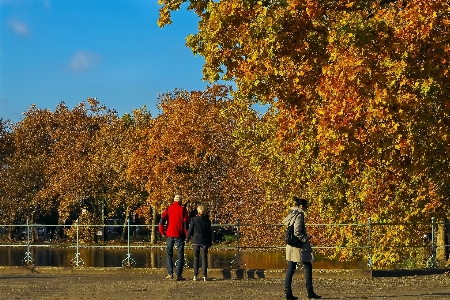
114	145
6	151
62	163
23	178
360	96
384	116
6	147
71	174
190	149
179	153
6	142
187	149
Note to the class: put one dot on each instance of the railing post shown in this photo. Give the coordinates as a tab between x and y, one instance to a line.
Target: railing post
128	261
77	261
77	253
433	245
28	261
369	254
236	263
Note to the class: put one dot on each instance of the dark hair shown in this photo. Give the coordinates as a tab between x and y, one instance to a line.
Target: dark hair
300	201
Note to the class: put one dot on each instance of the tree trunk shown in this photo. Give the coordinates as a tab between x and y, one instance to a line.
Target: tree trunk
154	227
94	218
441	241
33	237
101	215
125	229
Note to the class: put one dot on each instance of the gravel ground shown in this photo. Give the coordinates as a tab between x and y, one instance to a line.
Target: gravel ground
154	286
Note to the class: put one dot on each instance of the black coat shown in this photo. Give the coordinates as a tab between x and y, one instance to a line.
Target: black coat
200	231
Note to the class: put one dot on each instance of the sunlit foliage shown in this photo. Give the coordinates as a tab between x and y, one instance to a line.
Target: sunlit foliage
357	123
360	103
57	164
187	149
114	146
24	156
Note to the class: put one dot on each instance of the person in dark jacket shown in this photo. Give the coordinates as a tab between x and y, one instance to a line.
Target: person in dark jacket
174	226
201	233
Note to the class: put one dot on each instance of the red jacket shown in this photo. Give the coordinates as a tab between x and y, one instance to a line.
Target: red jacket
176	218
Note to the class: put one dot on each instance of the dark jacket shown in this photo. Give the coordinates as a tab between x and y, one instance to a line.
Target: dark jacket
200	231
176	218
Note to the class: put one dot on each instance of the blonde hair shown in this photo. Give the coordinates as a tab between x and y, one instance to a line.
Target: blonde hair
201	210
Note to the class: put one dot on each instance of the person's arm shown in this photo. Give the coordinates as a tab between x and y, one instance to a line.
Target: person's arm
298	225
209	234
186	220
190	231
162	222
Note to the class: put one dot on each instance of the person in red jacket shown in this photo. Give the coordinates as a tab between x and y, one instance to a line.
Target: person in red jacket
174	226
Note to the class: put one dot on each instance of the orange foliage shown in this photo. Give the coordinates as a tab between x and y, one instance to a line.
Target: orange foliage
359	94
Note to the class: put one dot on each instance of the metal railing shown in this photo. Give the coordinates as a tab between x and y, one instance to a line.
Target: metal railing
140	241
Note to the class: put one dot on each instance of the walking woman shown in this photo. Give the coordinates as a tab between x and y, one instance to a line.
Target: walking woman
201	233
303	254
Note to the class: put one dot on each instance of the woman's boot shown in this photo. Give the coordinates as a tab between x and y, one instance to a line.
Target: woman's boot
312	295
288	293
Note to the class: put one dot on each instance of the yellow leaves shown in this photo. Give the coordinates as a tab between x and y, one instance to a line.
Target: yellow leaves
395	126
306	45
331	39
193	146
164	17
426	85
380	95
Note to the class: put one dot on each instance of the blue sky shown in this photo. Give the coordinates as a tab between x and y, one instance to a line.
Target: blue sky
69	50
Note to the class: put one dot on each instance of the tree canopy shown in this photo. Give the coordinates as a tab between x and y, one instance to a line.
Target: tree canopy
357	123
359	92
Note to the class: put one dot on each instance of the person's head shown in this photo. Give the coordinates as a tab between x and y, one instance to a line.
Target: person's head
300	202
201	210
177	198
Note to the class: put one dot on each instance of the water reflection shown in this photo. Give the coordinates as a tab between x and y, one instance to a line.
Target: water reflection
153	258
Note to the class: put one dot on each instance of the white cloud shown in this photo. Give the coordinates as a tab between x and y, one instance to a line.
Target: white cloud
19	27
83	61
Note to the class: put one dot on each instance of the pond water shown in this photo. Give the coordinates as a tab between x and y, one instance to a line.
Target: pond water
154	258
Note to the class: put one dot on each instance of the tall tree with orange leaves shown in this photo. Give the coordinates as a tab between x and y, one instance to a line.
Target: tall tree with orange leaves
186	149
360	95
25	153
72	174
189	149
114	146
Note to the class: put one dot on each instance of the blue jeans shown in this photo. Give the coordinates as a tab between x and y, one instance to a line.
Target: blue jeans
196	249
180	246
291	270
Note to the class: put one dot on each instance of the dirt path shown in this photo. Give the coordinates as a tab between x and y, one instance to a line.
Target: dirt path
154	286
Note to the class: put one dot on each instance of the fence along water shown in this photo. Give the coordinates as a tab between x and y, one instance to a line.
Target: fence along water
227	237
